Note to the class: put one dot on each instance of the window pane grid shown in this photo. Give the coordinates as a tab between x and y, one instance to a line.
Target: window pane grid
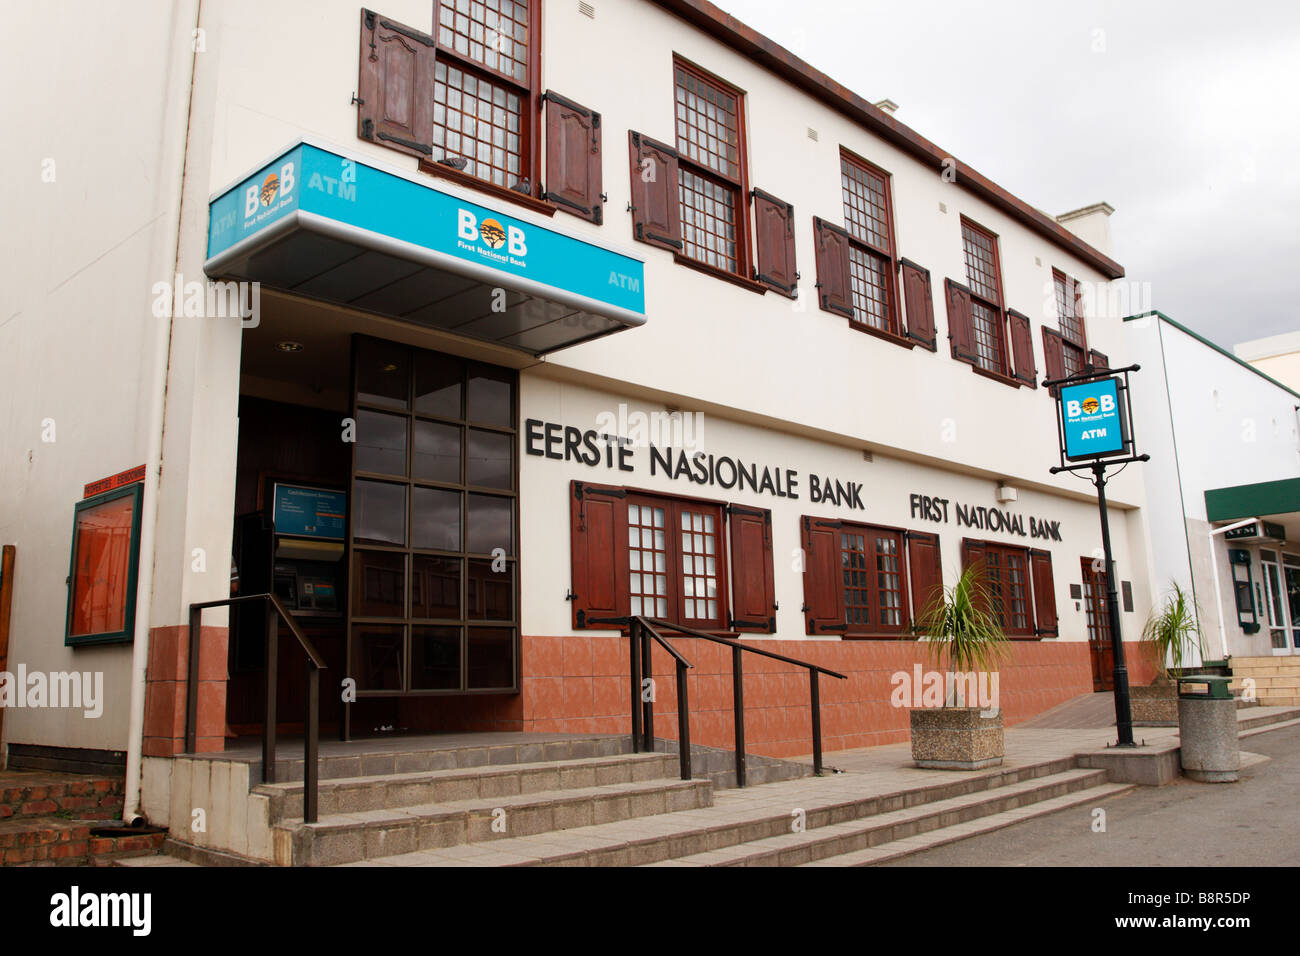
647	560
478	120
1072	359
708	214
889	585
708	124
869	285
428	525
981	264
1067	310
986	328
866	211
857	591
699	566
493	33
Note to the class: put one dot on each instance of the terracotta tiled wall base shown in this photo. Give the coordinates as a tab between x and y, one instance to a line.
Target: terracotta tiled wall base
580	685
164	702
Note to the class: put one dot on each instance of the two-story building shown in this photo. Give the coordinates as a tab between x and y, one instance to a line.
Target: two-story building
551	313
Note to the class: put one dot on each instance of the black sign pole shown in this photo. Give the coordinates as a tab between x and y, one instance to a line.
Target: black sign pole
1119	674
1123	709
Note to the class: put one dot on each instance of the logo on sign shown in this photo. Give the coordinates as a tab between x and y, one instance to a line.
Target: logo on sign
272	186
1090	406
492	234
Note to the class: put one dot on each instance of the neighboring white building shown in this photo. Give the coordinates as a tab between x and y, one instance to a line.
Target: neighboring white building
1277	356
1225	454
666	230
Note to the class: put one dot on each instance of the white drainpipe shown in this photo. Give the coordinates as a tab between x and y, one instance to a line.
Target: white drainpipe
149	517
1218	590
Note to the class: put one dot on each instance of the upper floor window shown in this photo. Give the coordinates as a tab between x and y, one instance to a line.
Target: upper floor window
1069	312
485	78
869	223
984	276
710	126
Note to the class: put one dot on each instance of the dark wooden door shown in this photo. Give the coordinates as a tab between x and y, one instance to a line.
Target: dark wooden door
1100	651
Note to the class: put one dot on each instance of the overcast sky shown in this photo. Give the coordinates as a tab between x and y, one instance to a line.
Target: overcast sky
1184	116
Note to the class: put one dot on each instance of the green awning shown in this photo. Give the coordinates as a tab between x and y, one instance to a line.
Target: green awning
1250	501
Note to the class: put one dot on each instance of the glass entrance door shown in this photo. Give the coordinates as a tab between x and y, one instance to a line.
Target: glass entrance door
1282	612
1291	582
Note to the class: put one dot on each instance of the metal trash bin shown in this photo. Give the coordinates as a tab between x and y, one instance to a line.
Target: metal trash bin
1207	729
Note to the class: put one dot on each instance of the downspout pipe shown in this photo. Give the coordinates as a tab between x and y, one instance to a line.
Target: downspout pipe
1218	589
149	516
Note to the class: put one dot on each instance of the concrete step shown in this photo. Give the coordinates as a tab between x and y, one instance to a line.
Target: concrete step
1268	728
366	759
369	834
160	859
1260	673
1268	714
1271	682
894	849
390	791
737	816
807	845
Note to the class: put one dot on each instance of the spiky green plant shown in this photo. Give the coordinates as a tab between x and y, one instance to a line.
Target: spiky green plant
959	624
1172	631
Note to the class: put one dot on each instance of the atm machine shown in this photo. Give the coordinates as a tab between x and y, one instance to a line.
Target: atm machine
294	549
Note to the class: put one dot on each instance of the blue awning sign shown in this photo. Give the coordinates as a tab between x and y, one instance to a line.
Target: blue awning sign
314	222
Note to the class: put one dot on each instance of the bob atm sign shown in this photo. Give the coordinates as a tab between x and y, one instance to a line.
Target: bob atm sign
1093	422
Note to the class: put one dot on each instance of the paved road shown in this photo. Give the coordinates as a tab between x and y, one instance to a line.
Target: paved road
1255	822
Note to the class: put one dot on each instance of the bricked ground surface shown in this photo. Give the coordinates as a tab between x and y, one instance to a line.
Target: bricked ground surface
47	818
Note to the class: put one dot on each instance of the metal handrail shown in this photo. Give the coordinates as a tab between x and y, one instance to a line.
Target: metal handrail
315	664
643	708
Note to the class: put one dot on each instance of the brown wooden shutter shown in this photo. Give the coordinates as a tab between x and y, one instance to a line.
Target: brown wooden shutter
832	246
1022	348
1098	362
573	173
598	539
395	88
753	593
923	560
656	217
823	577
919	303
774	237
973	553
1040	569
961	333
1053	355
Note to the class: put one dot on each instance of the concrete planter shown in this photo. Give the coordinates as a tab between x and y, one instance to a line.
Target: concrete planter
1155	705
956	738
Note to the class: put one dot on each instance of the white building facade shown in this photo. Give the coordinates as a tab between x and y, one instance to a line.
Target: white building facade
1222	482
551	328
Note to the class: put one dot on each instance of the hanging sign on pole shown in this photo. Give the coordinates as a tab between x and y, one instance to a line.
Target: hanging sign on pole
1095	426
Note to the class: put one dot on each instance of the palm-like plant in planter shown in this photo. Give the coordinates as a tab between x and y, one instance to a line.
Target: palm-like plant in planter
1170	634
960	626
